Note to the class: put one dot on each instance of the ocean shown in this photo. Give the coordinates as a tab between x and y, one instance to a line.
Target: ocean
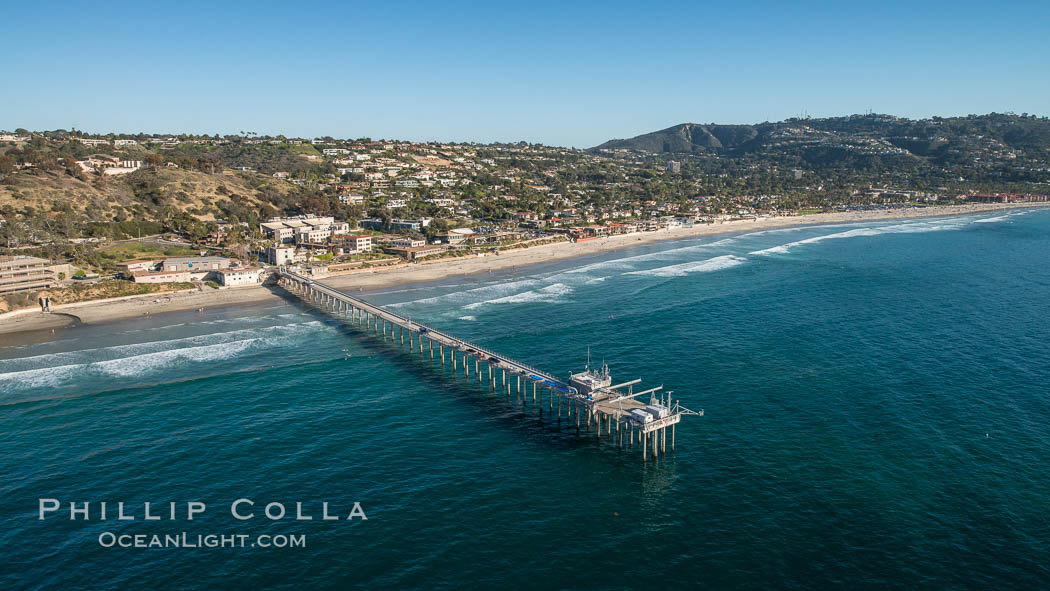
875	400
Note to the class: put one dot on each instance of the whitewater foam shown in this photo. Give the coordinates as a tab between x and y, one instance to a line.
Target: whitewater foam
83	356
911	228
149	362
548	294
485	291
705	266
1000	218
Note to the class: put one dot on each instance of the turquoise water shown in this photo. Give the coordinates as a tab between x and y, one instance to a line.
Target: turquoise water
875	402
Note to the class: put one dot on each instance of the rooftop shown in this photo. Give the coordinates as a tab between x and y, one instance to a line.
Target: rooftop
178	260
8	261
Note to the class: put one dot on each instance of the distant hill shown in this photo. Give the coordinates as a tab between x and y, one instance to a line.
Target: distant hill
689	137
935	137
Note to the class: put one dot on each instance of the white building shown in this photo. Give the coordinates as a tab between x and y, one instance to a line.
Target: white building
312	235
356	244
351	198
315	229
407	243
281	255
239	276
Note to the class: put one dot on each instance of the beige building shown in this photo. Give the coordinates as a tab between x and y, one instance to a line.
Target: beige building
407	242
281	255
24	273
129	268
162	276
195	264
311	229
416	252
355	244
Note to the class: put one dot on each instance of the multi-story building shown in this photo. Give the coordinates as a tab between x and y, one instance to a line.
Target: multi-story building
24	273
317	229
354	244
407	242
416	252
278	232
377	224
281	255
311	235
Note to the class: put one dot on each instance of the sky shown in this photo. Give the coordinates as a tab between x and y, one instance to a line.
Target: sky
559	73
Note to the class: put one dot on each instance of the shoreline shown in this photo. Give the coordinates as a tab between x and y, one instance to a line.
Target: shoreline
101	311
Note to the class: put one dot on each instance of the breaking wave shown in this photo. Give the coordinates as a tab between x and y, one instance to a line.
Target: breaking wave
1000	218
550	294
464	296
913	228
81	356
144	359
705	266
139	364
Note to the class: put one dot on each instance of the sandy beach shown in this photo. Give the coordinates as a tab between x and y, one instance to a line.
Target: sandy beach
110	310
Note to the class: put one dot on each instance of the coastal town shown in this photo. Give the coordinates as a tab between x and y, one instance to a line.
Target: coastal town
88	216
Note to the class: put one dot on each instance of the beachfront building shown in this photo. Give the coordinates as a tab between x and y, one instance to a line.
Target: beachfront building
451	238
129	268
407	242
25	273
239	276
162	277
188	269
354	244
415	252
281	255
195	264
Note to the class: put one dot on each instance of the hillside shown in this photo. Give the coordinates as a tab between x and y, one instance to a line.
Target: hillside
938	137
140	195
689	137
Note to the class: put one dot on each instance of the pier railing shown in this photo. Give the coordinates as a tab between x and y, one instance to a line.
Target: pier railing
650	434
408	323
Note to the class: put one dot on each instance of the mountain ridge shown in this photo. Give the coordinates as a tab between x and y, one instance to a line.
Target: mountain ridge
914	135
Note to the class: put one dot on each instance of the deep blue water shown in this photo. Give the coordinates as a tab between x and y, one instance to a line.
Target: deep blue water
875	400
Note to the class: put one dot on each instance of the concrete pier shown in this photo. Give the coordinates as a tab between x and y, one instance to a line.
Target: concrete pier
590	393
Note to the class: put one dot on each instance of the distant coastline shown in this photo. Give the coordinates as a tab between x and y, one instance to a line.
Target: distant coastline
102	311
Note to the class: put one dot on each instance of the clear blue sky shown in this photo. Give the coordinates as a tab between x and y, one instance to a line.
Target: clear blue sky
561	73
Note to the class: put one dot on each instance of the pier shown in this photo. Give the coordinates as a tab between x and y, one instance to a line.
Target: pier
613	412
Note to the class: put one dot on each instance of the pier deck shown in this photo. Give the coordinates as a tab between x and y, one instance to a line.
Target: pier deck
607	406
